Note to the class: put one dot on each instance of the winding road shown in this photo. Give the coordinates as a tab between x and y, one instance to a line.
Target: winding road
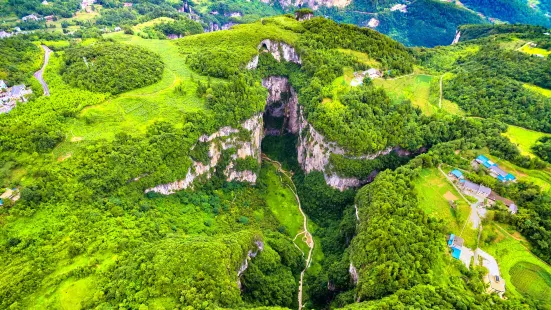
39	74
306	235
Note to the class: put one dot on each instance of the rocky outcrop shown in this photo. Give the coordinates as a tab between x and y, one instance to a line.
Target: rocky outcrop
282	101
250	255
353	273
280	51
314	151
222	140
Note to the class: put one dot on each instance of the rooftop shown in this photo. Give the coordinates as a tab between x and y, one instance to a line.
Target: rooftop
458	174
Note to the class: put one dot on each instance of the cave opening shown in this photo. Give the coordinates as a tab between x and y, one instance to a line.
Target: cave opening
281	124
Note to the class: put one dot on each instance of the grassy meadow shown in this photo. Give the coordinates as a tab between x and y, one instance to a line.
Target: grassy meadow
524	138
415	88
534	51
135	110
434	192
524	273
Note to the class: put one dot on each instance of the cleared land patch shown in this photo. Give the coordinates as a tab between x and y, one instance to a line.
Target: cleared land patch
534	50
518	266
415	88
137	109
531	280
524	138
434	193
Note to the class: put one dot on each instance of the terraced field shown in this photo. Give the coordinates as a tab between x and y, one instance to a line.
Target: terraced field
531	280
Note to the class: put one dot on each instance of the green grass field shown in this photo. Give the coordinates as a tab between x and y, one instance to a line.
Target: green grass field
281	201
133	111
434	193
523	272
542	91
534	51
524	138
415	88
531	280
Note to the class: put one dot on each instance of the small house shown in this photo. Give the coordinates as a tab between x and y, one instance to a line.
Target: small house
475	189
456	245
127	4
457	174
3	85
4	34
117	28
485	161
374	73
500	174
29	18
44	2
493	197
496	284
17	91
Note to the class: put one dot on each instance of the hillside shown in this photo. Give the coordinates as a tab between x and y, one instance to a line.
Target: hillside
282	163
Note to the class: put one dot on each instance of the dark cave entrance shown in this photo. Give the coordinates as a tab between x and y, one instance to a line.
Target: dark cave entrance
281	121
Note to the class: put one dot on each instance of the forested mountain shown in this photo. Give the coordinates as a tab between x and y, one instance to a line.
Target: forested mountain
284	163
414	23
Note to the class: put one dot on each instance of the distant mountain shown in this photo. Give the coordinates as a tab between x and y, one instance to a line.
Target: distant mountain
414	23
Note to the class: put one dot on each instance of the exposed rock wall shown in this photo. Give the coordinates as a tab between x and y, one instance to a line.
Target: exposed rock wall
219	141
250	255
282	101
280	50
314	151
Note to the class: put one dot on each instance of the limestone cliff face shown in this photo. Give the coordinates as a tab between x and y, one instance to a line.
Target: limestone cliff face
250	255
314	151
280	50
223	139
282	101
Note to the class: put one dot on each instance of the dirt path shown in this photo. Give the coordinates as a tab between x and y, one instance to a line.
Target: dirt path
39	74
473	215
306	235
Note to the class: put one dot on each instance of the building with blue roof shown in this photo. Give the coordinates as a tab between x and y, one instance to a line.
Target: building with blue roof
494	169
456	173
456	245
485	161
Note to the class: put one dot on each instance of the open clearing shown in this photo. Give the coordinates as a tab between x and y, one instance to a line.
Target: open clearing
135	110
531	280
434	193
523	272
524	139
542	91
415	88
281	201
534	50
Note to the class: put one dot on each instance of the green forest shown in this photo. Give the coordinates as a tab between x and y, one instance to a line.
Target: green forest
110	67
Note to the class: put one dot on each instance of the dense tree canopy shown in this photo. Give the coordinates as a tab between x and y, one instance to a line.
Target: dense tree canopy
111	67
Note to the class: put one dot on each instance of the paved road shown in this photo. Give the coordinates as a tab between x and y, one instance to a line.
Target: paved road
39	74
